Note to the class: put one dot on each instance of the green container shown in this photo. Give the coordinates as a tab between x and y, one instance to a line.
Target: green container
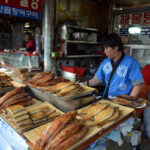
54	54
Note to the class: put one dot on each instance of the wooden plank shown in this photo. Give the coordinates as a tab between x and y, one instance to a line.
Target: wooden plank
92	131
17	84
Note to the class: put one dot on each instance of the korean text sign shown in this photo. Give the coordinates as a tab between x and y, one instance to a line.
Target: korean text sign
136	19
22	8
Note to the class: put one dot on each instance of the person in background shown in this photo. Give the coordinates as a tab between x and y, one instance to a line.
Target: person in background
120	72
145	92
30	44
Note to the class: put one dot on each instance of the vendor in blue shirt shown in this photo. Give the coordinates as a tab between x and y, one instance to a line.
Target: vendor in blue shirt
126	79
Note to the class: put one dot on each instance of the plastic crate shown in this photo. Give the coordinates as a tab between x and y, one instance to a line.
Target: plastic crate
79	71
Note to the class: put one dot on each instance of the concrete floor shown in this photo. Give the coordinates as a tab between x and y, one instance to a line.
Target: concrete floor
145	145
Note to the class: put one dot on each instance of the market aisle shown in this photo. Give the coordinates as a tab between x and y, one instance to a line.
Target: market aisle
145	143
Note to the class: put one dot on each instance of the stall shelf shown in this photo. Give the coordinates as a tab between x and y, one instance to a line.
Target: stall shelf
79	41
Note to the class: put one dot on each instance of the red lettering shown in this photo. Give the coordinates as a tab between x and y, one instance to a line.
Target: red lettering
136	18
124	19
147	17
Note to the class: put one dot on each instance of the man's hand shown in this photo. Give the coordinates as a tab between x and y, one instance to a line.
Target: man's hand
136	90
91	82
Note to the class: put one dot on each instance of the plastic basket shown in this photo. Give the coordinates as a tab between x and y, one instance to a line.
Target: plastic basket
79	71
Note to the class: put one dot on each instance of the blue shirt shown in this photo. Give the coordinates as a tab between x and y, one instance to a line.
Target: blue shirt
127	76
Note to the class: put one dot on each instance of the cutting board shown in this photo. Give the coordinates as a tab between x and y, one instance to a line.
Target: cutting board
33	135
28	108
17	84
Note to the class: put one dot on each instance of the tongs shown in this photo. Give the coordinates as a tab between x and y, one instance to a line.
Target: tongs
138	100
80	96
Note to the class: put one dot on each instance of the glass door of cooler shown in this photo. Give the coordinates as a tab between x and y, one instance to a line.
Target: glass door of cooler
140	52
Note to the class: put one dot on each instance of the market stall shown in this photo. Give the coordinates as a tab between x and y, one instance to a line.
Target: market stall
30	128
60	108
17	20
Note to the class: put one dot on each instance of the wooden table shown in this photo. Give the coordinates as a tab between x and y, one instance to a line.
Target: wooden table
137	112
93	133
96	137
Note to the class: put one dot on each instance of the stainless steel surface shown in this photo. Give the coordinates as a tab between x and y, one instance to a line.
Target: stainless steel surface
63	32
38	39
48	33
81	42
63	103
75	56
81	28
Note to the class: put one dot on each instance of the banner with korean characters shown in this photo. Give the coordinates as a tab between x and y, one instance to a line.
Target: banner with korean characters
22	8
135	19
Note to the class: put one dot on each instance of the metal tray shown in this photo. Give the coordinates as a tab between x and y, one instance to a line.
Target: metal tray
65	104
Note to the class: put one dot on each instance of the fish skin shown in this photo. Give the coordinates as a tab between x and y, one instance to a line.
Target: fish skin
102	116
54	128
67	132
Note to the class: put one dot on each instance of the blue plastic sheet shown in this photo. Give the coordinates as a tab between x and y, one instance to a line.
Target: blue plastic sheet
9	139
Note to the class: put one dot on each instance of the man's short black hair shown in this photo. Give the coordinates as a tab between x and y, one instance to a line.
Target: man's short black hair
28	33
113	40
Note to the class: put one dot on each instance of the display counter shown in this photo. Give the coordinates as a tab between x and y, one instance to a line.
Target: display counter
93	132
19	59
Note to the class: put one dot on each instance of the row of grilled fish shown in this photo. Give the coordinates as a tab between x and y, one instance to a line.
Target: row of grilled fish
24	118
21	74
99	114
45	79
63	132
65	89
126	102
55	85
16	96
5	83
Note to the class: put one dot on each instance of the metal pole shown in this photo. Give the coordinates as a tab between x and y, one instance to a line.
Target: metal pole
49	12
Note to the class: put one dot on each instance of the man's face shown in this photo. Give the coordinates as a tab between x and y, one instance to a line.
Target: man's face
27	37
111	52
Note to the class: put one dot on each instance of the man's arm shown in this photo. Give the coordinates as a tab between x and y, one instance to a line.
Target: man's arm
136	90
92	82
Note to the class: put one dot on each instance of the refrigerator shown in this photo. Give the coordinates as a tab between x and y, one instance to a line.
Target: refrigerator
140	52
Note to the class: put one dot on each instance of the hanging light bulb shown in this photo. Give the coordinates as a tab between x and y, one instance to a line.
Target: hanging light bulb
27	25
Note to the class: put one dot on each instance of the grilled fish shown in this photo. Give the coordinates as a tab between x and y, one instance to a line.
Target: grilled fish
102	116
55	127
